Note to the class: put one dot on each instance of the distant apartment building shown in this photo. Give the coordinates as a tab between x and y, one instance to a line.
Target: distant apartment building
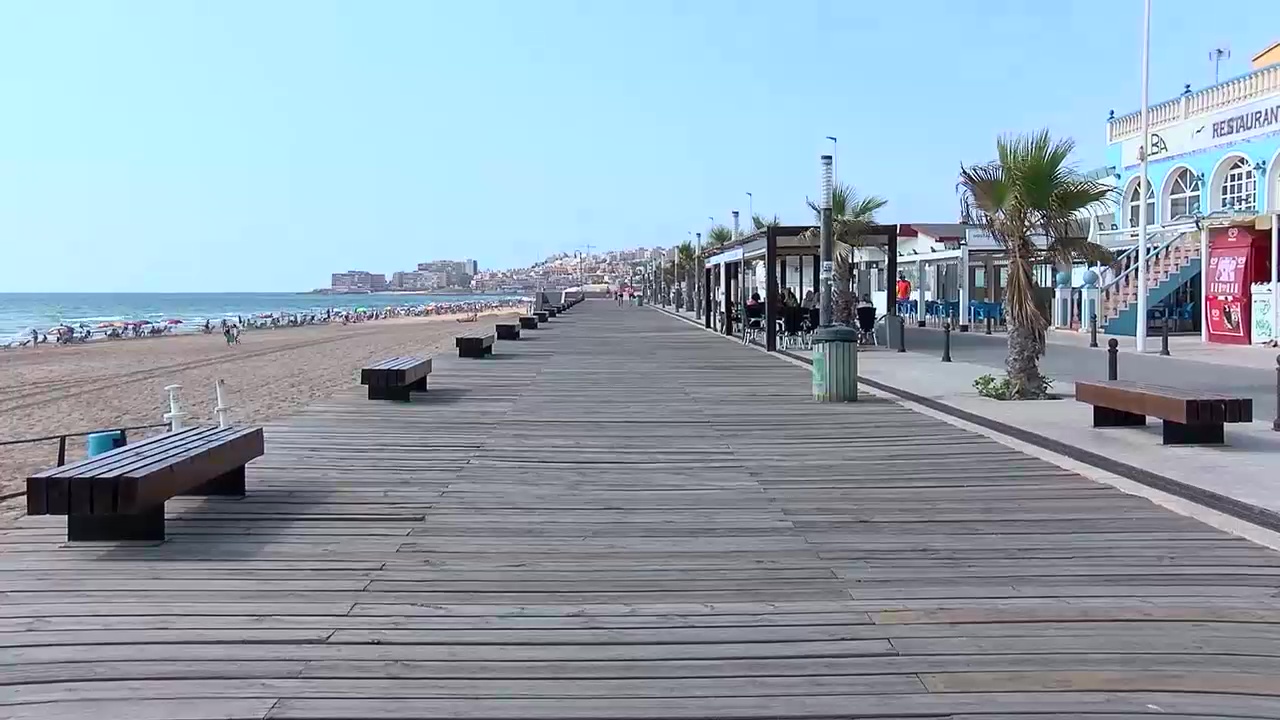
457	273
358	281
417	280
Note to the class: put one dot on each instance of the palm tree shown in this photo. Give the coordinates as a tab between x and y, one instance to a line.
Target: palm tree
1031	199
687	256
851	216
760	222
718	236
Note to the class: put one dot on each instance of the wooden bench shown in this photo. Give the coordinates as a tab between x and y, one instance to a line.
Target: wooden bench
475	344
550	311
395	378
1190	416
529	322
120	495
541	316
507	331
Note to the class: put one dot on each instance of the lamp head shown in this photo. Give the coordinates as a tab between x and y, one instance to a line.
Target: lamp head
826	182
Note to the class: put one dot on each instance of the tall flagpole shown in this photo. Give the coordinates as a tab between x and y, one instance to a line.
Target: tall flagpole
1140	337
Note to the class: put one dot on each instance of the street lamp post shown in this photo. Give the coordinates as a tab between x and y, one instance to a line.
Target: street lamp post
699	271
825	249
751	213
1140	336
835	347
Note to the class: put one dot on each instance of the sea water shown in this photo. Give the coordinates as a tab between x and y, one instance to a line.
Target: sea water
20	313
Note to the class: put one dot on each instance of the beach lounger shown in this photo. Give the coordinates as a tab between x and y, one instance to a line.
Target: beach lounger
395	378
120	495
475	344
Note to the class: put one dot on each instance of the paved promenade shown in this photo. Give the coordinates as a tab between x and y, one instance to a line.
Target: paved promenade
623	516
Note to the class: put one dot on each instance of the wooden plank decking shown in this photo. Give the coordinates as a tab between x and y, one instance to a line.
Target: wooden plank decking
621	516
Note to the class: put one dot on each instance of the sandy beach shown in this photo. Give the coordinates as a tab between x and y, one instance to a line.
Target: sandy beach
52	390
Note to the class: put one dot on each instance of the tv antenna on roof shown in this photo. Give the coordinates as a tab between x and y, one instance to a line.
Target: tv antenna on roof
1217	55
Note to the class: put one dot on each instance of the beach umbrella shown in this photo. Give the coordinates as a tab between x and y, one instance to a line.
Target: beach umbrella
106	324
173	321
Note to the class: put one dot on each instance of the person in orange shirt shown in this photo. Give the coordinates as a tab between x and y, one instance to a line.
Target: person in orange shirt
904	287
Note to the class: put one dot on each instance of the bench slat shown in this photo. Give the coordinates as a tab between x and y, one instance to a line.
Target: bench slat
124	464
227	437
112	456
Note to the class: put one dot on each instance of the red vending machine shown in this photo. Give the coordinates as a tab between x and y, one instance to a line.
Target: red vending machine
1237	258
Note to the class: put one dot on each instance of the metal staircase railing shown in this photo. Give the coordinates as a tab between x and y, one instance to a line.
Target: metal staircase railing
1121	291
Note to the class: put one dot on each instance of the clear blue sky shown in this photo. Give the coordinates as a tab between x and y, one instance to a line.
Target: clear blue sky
260	145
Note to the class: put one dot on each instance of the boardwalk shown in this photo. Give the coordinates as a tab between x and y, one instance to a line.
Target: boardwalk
623	516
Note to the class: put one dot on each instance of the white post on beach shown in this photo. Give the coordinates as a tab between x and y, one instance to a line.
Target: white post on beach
175	415
222	407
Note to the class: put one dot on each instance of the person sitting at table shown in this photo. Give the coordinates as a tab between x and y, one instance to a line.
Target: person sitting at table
789	299
808	300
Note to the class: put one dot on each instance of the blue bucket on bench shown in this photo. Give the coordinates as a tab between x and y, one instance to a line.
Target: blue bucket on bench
99	443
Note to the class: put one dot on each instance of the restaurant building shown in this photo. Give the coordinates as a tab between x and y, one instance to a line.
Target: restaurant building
1213	190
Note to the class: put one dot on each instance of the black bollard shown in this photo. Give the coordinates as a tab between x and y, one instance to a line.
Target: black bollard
988	324
1093	331
1164	336
902	334
1113	359
1275	424
946	341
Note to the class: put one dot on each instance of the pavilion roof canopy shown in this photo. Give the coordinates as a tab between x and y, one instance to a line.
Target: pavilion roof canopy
790	240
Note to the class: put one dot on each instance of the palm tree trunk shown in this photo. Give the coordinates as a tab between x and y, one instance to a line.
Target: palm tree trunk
841	297
1023	362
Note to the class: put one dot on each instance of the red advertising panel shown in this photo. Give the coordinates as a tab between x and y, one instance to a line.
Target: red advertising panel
1227	270
1227	285
1228	320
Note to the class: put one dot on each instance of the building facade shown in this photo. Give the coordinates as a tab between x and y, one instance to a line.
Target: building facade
417	280
1211	150
1213	178
358	281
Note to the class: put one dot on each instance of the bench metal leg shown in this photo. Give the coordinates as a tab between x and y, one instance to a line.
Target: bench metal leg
146	526
228	484
420	385
383	392
1176	433
1110	417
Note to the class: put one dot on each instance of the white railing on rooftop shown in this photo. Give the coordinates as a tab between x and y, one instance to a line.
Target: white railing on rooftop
1238	91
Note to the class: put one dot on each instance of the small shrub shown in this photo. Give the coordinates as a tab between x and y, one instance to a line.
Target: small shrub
989	386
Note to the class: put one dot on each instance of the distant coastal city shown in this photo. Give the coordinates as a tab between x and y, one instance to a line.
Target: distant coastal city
563	270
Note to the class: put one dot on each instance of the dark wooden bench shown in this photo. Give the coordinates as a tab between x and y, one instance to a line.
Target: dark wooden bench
551	311
1190	416
507	331
541	316
475	344
120	495
395	378
529	322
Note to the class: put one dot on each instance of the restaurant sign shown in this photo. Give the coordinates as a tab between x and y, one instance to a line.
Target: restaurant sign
1246	122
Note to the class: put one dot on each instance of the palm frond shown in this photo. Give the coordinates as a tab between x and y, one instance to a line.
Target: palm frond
760	222
719	235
